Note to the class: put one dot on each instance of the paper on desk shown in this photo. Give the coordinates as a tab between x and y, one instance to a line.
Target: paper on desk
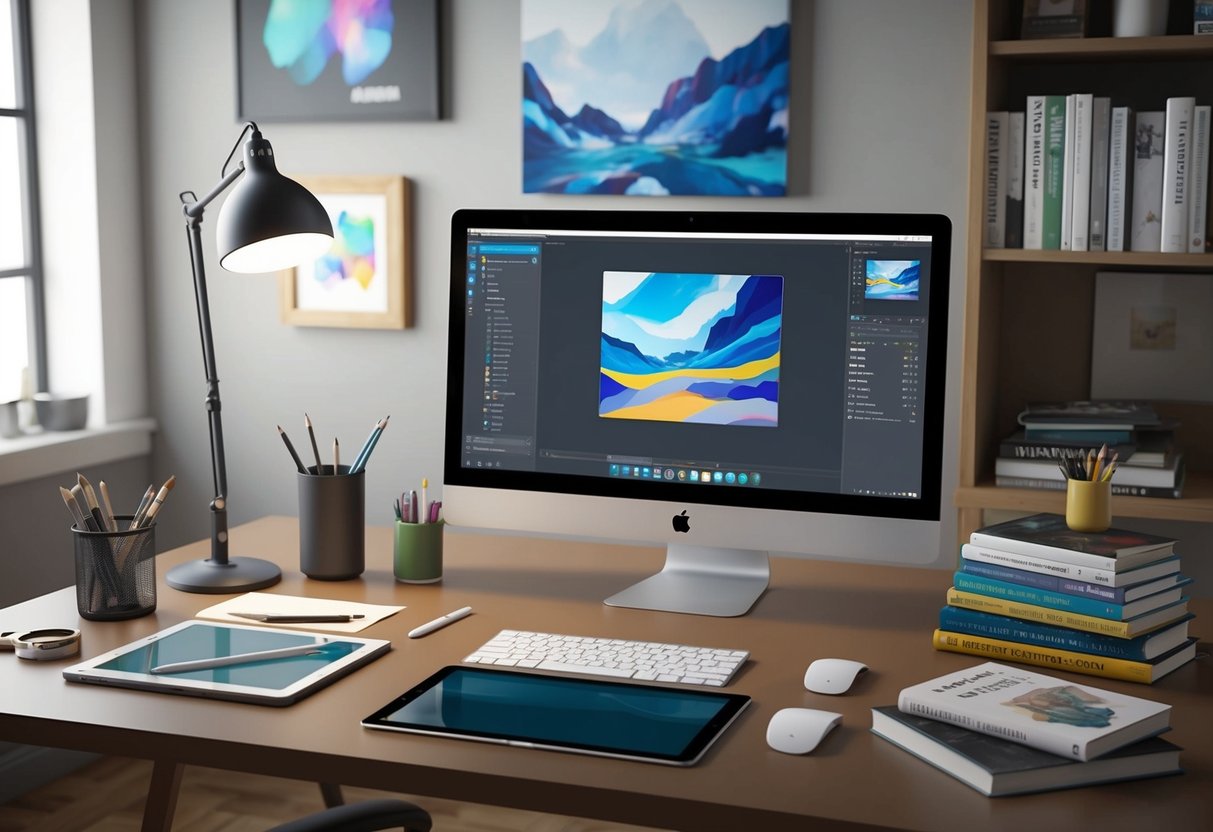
268	602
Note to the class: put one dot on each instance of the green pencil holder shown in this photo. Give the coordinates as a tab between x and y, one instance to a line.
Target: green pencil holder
1088	505
417	553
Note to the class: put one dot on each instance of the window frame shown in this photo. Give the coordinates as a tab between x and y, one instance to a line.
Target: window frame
32	270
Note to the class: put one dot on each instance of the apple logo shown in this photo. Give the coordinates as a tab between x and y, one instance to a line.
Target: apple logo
682	523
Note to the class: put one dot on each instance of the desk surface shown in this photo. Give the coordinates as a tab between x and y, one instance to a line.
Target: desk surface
882	616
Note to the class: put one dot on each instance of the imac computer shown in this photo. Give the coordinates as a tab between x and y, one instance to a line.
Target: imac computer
727	383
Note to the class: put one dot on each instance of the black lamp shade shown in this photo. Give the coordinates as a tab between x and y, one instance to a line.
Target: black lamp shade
269	222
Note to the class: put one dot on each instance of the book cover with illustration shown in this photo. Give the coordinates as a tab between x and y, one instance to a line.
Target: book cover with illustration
1044	712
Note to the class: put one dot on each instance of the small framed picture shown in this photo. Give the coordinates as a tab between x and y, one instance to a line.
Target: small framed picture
363	281
374	60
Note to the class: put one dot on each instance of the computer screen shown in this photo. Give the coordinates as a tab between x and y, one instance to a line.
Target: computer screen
727	380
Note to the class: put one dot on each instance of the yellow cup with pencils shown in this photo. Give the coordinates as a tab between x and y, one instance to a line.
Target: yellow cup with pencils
1089	491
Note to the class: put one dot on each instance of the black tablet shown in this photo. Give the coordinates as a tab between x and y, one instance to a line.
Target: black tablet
631	721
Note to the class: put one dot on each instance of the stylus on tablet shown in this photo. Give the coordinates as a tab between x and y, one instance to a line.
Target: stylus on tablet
238	658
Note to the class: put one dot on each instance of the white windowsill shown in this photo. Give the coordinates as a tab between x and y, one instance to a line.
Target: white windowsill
42	454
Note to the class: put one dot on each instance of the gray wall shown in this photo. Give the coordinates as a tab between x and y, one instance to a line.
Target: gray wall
879	122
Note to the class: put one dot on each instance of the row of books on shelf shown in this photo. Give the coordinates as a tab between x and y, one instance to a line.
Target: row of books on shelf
1031	591
1148	461
1074	172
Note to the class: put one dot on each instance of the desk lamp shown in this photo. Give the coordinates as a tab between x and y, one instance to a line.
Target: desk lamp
268	223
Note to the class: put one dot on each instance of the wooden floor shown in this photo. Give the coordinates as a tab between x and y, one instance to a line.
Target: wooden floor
108	795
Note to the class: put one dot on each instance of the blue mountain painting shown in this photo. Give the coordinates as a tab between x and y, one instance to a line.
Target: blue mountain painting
697	348
892	280
719	127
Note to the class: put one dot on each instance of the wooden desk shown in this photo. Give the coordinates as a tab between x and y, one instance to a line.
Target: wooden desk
855	780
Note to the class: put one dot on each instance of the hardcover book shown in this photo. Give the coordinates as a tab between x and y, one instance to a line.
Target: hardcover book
1177	163
1120	176
1146	673
1139	649
1097	607
1013	237
1047	535
1083	589
1198	185
1067	172
997	768
1145	223
1101	116
1080	176
1034	172
1054	173
1158	476
1019	446
1118	489
996	179
1054	715
1130	628
1050	566
1089	414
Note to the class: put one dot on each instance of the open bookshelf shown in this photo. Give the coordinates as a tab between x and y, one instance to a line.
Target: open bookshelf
1029	314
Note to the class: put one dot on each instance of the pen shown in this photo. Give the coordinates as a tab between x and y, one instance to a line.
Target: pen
287	441
239	658
286	618
439	623
311	435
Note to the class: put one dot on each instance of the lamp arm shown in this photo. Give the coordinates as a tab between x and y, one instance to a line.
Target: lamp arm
193	222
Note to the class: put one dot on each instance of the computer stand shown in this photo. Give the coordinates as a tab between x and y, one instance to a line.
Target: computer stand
701	580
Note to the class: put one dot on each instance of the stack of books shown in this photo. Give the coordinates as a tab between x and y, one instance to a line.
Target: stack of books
1003	730
1105	603
1073	172
1148	462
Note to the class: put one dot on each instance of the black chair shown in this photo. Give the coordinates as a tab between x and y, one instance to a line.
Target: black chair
364	816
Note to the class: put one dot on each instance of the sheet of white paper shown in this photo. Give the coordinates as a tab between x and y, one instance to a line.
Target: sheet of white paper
268	602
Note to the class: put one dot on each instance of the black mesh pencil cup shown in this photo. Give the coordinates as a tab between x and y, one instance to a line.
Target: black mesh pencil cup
115	572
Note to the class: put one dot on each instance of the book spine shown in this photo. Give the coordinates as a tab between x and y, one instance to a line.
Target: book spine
1047	469
1034	172
1093	607
1014	203
1046	450
1033	612
995	572
1198	182
1120	175
1020	731
972	622
1055	148
1080	179
1145	225
1177	160
1101	115
1067	174
1096	437
1011	651
1118	489
996	180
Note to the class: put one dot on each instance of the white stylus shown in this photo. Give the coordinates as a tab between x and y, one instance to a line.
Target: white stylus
439	623
238	658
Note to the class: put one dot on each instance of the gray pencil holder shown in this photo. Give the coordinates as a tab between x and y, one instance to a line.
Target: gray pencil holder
332	524
115	572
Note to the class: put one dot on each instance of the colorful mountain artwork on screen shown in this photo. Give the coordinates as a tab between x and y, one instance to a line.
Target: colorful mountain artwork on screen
693	348
892	280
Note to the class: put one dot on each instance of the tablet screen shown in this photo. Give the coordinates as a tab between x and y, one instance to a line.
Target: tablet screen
564	713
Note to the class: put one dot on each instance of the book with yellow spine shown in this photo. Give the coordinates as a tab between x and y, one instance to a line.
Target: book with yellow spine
1086	663
1129	628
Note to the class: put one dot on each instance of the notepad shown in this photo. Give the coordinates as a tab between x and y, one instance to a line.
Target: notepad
269	602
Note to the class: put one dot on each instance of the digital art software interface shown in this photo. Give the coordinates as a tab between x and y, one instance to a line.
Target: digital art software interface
892	279
691	348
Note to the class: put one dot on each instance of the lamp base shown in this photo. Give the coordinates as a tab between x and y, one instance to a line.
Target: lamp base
237	575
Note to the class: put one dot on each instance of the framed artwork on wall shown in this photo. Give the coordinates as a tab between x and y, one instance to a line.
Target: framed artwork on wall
329	60
364	279
686	97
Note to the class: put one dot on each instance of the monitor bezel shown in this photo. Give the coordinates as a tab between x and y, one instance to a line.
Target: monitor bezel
925	507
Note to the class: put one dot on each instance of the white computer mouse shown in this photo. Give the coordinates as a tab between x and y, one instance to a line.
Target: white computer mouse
833	676
799	730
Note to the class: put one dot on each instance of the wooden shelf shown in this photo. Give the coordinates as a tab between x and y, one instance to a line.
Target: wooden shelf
1170	47
1196	505
1152	259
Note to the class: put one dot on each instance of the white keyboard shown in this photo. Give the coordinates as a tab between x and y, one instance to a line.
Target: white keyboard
641	660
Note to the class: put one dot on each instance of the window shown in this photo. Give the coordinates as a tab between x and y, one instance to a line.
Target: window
22	336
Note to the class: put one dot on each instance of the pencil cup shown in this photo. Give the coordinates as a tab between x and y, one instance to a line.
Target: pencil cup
115	572
332	523
1088	505
417	556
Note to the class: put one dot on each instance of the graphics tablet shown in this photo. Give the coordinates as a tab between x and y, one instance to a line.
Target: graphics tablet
560	713
276	681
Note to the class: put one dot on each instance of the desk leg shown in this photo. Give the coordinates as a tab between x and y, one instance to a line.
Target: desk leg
162	796
331	792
